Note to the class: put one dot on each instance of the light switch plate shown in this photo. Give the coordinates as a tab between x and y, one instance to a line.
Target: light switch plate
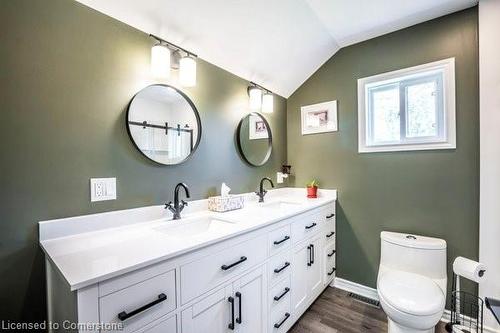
102	189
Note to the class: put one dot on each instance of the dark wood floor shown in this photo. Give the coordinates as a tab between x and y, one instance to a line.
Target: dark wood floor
335	312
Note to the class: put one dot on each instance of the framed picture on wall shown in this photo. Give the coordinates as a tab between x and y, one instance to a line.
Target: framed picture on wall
319	118
257	128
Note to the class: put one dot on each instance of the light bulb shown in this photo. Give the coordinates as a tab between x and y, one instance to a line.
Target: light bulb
160	61
255	98
267	103
187	71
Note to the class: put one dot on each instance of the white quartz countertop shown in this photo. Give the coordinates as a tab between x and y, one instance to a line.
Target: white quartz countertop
93	248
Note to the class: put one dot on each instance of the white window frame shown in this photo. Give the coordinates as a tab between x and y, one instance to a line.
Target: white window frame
446	138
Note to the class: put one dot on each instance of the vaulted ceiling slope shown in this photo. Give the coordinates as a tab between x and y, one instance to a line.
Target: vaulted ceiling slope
276	43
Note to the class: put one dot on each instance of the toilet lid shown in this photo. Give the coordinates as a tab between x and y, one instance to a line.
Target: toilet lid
411	293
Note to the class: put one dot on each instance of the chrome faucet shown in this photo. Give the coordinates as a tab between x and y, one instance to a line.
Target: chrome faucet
261	193
177	208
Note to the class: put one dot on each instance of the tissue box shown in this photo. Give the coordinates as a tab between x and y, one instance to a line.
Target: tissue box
225	204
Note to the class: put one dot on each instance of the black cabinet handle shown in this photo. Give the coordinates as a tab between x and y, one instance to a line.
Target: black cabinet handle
230	299
281	241
331	254
331	272
309	254
278	270
330	234
330	216
238	319
226	267
314	254
124	315
277	298
311	226
278	325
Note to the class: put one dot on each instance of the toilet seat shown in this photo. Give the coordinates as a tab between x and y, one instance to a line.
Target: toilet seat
411	300
411	293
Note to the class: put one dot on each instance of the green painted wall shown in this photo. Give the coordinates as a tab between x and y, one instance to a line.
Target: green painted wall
67	74
434	193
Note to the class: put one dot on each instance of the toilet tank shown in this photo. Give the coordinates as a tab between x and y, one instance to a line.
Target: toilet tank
411	253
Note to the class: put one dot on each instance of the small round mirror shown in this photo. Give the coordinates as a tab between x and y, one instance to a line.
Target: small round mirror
254	139
164	124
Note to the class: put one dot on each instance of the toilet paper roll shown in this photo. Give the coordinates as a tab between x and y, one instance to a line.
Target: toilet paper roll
469	269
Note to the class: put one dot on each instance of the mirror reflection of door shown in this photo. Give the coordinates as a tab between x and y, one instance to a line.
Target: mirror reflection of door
164	124
254	139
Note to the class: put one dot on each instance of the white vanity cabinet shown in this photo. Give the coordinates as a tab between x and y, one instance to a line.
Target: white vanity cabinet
259	281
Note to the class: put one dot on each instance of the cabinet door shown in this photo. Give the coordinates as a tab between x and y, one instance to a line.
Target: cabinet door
250	302
314	277
300	270
210	315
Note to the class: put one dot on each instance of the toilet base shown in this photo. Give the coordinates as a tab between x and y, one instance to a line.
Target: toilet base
396	328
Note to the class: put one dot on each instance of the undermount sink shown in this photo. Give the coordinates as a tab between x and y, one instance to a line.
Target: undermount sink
280	205
190	227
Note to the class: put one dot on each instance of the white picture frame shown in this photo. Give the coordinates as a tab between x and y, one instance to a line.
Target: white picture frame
257	128
319	118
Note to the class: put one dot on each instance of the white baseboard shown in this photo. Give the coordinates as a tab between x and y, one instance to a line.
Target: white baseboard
371	293
354	287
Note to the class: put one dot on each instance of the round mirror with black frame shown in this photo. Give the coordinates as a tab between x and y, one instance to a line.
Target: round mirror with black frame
254	139
164	124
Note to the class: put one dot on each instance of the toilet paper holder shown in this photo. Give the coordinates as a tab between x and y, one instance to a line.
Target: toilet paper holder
466	308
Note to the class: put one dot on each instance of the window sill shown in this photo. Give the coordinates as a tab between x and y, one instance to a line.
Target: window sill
407	147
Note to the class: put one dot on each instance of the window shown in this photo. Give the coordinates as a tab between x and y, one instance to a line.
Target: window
408	109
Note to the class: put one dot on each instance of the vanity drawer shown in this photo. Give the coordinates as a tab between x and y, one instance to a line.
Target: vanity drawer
329	235
280	293
305	226
279	266
330	267
140	304
206	273
279	239
163	326
280	318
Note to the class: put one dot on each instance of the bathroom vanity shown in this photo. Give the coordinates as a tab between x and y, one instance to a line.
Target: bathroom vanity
253	270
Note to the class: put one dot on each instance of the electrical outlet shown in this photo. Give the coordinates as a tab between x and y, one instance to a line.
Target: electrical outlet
102	189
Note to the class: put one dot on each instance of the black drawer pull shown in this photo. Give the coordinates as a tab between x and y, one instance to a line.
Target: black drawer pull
278	325
226	267
124	315
278	270
309	253
239	319
331	254
230	299
330	234
277	298
330	216
311	226
331	272
312	254
281	241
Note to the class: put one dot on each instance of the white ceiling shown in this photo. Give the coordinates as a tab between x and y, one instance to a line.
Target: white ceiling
275	43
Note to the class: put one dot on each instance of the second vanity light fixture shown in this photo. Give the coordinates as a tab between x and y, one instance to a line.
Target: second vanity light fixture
260	98
162	54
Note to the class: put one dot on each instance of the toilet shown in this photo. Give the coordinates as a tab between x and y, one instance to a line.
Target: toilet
411	282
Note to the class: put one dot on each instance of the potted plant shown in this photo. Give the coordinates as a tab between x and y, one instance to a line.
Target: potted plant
312	189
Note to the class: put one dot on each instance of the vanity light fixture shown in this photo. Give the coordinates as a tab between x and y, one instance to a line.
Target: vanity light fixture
267	102
187	71
160	61
260	98
161	64
254	98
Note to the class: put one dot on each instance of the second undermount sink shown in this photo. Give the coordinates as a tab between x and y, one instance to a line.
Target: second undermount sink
197	226
280	205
